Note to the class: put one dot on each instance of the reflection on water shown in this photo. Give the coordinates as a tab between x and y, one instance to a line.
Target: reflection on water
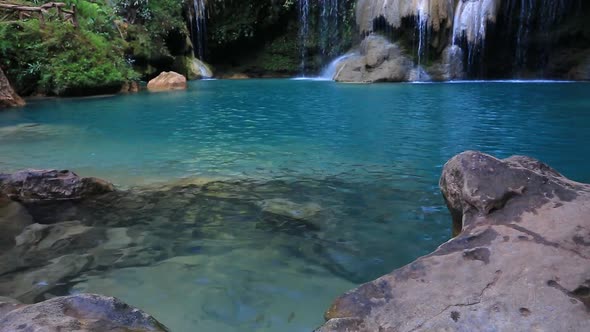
250	205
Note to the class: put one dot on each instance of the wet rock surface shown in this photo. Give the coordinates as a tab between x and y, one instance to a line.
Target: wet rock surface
50	185
520	262
82	313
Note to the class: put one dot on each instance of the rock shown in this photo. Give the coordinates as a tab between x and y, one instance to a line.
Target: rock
8	98
198	69
439	13
582	71
80	313
289	209
44	255
522	255
26	286
7	305
51	185
13	220
167	80
451	65
130	87
379	61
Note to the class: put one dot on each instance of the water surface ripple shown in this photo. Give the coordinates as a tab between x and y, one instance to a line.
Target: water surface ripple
256	202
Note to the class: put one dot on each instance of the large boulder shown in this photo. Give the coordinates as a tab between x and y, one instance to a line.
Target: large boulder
167	80
379	61
521	261
8	98
50	185
77	313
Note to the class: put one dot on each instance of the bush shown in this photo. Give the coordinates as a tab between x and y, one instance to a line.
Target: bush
60	59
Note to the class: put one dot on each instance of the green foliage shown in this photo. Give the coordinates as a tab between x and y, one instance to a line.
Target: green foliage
60	59
134	10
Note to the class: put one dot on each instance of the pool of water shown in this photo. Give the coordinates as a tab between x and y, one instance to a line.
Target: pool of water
260	201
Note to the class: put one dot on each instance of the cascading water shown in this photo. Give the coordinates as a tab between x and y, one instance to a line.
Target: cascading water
422	23
303	31
332	69
488	38
320	23
470	25
534	17
329	27
199	27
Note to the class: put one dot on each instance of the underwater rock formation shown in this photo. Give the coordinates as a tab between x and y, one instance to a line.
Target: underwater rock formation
82	313
8	98
520	262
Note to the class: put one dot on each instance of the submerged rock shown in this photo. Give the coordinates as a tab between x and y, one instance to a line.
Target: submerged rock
13	220
287	208
8	98
167	80
81	313
521	260
28	285
50	185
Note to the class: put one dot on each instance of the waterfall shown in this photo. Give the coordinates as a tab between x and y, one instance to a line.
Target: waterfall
535	16
422	23
470	24
319	25
329	27
525	17
515	36
303	31
199	27
331	70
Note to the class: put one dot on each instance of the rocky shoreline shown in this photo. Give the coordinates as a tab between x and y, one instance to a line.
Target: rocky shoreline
520	258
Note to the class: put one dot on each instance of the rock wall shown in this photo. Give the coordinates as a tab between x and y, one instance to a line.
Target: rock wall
8	98
521	260
438	13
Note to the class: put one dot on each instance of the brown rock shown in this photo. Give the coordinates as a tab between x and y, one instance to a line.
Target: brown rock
8	98
130	87
80	313
167	80
50	185
520	263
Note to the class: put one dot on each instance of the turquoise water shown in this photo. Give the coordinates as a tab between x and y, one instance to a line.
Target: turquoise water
301	189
